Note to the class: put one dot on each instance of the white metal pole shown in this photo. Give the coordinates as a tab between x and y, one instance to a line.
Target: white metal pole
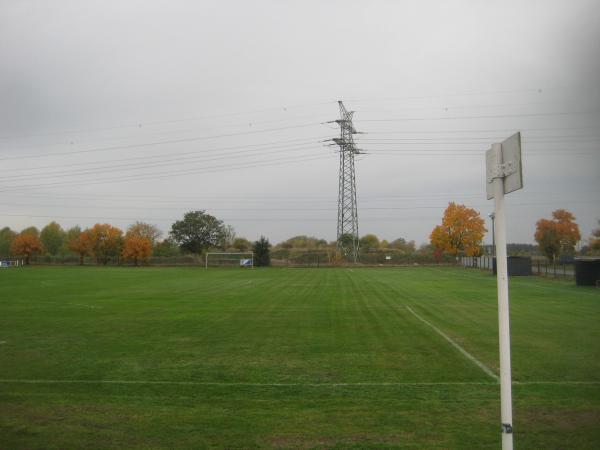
503	308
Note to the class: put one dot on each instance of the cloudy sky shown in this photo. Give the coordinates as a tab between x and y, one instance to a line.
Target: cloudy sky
116	111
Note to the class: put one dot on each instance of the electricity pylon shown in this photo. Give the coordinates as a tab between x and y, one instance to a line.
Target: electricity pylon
347	223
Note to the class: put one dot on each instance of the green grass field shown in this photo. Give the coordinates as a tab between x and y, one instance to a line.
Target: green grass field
314	358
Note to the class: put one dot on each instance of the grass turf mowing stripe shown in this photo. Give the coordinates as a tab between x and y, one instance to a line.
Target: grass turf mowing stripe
478	363
282	358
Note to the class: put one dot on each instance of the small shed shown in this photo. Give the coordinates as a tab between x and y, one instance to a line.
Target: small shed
518	266
587	271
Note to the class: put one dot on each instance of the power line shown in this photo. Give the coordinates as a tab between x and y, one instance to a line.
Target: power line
496	116
245	219
165	132
195	152
442	154
156	175
170	141
446	108
234	219
164	162
286	198
462	139
140	124
463	94
470	131
160	122
330	209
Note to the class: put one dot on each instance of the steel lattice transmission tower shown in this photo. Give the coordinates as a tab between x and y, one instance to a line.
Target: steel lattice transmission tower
347	223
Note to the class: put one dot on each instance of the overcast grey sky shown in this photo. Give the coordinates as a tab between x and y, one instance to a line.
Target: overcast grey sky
116	111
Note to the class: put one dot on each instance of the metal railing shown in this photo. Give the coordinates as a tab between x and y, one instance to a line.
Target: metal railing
538	267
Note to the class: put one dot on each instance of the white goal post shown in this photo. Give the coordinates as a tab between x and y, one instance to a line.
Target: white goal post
12	263
229	259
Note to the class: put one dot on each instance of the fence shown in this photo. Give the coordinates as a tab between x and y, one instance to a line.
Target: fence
72	260
481	262
538	267
330	258
546	269
279	258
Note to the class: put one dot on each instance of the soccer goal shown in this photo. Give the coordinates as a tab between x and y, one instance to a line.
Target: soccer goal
230	259
12	263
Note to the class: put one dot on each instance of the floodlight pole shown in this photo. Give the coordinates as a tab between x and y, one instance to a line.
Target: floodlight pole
503	307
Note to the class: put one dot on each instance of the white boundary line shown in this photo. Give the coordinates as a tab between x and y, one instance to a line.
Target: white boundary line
558	383
470	357
249	384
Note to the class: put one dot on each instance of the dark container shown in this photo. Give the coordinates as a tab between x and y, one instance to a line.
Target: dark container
587	271
518	266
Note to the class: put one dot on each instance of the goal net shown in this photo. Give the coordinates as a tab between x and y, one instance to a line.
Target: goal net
230	259
11	263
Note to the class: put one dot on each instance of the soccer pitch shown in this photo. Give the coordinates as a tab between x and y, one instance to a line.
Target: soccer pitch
99	357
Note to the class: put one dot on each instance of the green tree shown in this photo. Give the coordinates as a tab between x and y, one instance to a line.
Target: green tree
242	244
198	232
52	237
369	242
262	252
70	234
165	248
106	241
321	243
33	231
6	237
303	242
403	246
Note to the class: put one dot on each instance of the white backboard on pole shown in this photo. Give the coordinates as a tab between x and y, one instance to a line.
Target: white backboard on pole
508	167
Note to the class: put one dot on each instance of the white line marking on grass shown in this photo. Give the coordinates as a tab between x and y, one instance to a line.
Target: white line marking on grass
558	383
479	364
250	384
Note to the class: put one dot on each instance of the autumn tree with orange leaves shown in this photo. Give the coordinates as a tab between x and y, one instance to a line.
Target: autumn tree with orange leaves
558	236
144	230
595	239
26	244
136	247
82	245
106	242
461	231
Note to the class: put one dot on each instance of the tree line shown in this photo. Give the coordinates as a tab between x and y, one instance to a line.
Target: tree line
196	233
462	230
460	233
